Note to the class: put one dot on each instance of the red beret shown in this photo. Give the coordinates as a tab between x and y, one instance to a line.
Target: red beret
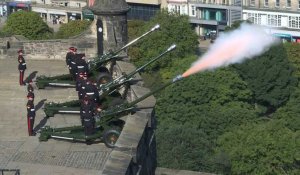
20	50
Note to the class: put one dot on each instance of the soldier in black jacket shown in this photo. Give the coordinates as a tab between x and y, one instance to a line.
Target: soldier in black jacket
69	58
22	67
90	89
80	85
87	112
30	90
72	65
81	64
30	116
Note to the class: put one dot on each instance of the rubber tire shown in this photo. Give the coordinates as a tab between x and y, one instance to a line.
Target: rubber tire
107	137
104	78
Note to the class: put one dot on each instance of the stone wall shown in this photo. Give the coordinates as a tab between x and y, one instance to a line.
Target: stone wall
135	151
46	49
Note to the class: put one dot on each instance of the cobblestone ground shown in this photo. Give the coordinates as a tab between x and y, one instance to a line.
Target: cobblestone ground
18	150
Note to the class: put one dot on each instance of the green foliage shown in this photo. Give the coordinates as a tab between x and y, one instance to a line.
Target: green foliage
72	28
4	34
289	114
263	148
210	103
293	54
182	147
269	76
28	24
134	27
175	29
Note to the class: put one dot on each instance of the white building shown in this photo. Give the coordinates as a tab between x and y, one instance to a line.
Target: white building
59	10
281	17
208	15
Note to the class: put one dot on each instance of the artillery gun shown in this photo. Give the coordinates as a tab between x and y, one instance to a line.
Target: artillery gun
108	124
97	69
107	92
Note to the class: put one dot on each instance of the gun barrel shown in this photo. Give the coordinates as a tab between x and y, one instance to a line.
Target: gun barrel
106	57
123	79
174	80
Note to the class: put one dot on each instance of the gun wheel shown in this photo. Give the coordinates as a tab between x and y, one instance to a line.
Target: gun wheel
103	78
110	137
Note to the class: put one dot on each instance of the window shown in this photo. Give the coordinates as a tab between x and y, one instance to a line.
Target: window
294	22
277	3
78	4
252	2
298	4
254	18
288	3
193	10
266	3
274	20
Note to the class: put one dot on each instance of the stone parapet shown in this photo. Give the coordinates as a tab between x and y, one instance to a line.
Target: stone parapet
136	146
46	49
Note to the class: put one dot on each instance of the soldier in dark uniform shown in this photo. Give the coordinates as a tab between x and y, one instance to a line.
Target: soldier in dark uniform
73	66
30	90
87	112
22	67
82	65
90	89
69	58
30	115
81	85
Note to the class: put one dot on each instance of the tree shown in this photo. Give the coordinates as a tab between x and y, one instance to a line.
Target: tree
28	24
72	28
293	55
175	29
182	147
289	114
210	103
262	148
134	28
269	76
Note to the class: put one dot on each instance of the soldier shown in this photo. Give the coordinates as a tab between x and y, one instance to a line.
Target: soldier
22	67
90	89
30	115
81	85
87	112
30	90
73	66
69	58
82	66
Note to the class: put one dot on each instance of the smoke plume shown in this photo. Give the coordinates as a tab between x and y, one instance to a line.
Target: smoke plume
234	47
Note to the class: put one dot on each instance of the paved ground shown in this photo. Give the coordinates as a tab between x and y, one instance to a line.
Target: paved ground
18	150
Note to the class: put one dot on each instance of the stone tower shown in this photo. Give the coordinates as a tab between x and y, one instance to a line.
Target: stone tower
111	16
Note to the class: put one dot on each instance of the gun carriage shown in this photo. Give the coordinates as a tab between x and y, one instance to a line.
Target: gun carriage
97	68
108	123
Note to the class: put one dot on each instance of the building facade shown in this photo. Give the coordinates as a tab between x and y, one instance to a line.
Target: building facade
208	15
144	9
281	17
59	11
